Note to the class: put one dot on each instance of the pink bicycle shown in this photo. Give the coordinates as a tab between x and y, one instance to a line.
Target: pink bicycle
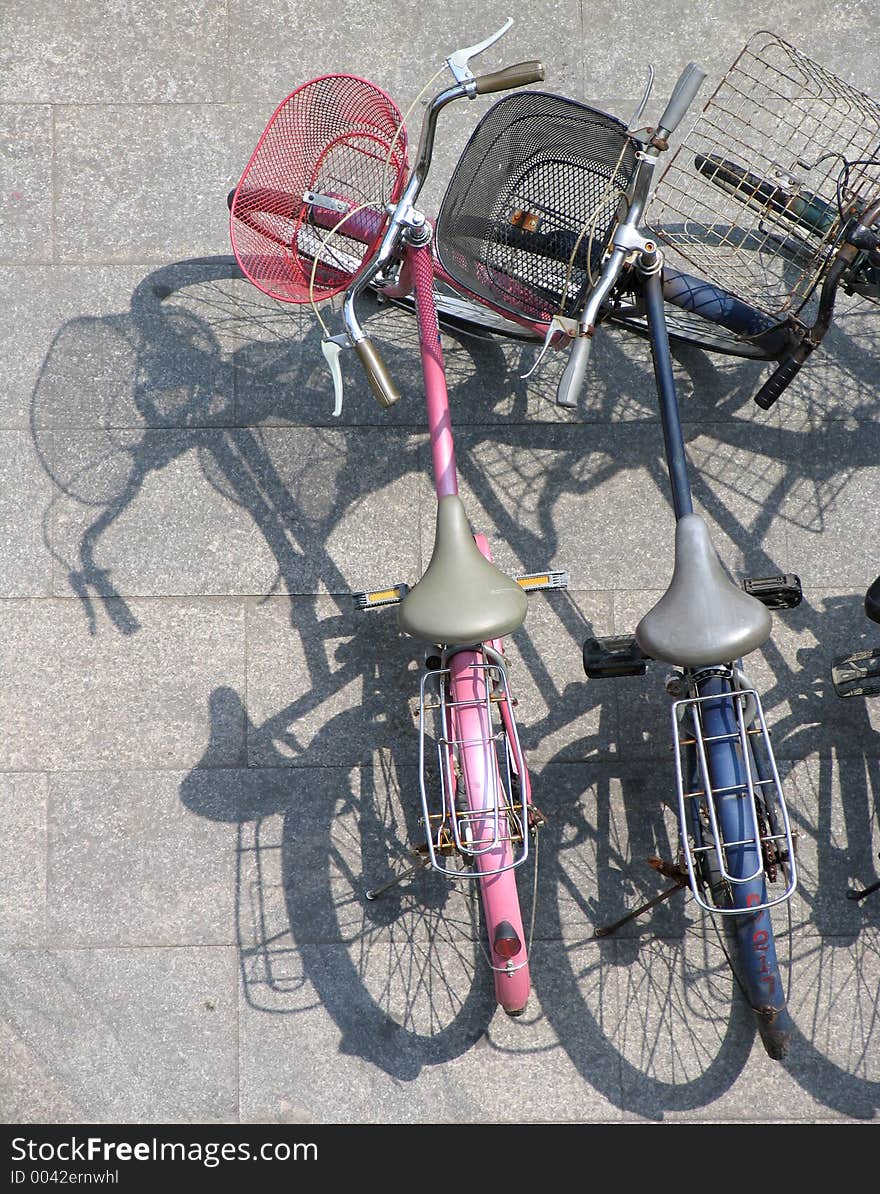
326	206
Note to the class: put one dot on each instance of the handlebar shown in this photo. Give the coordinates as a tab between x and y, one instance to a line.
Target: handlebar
683	95
626	235
381	382
519	75
779	380
572	380
788	368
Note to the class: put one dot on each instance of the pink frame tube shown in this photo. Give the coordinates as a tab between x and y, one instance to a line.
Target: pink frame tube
436	393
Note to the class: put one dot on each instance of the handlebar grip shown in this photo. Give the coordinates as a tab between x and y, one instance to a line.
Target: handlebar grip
518	75
683	94
384	389
778	380
572	381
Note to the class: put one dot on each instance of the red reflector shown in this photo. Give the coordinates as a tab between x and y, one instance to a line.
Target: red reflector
507	944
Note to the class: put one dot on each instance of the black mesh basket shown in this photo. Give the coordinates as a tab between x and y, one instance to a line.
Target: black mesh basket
532	203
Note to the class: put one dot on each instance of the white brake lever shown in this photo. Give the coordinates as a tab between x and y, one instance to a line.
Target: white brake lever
559	323
332	347
458	62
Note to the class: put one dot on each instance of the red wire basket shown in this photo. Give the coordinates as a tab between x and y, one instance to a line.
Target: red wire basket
310	208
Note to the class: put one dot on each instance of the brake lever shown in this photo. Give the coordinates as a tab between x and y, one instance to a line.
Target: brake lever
559	325
458	62
643	103
332	347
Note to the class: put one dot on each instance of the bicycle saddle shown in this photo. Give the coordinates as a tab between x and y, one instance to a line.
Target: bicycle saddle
462	598
703	617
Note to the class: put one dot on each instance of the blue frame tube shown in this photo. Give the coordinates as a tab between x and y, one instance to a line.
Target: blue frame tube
673	439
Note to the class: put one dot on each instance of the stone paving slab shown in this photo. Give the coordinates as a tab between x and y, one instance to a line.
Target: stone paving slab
427	1060
104	354
25	494
26	179
119	1036
143	182
102	54
133	693
235	511
592	500
173	874
23	801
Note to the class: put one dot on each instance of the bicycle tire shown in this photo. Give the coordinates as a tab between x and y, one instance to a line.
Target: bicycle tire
750	931
459	314
699	313
687	327
481	779
402	980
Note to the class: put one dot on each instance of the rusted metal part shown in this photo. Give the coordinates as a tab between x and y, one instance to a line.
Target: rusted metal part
669	870
768	847
537	819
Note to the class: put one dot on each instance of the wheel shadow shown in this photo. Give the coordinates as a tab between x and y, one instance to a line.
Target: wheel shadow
403	976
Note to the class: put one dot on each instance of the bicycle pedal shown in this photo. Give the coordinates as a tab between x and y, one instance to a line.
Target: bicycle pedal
379	597
776	592
533	582
857	674
614	655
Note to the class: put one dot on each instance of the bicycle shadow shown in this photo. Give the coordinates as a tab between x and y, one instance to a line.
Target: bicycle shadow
185	394
304	928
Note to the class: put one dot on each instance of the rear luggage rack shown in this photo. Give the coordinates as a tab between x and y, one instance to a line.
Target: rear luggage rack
766	827
451	827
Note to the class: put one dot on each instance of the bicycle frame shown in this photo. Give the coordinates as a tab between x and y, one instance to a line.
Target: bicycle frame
490	832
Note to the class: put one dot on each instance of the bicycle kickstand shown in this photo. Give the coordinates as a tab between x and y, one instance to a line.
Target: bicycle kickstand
670	871
421	861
